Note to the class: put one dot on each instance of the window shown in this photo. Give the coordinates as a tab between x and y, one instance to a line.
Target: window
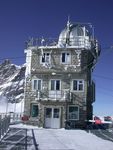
55	85
73	113
56	113
37	84
65	58
34	110
78	85
45	58
48	112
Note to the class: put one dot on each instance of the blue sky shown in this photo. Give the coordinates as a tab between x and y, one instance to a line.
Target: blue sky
20	19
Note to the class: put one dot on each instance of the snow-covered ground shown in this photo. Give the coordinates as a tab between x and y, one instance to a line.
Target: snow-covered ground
61	139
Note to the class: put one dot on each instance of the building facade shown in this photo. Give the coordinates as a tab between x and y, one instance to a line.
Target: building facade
59	90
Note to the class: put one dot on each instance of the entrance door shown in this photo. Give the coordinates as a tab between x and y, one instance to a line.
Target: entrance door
52	117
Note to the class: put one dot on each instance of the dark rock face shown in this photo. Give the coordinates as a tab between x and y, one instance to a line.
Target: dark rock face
12	81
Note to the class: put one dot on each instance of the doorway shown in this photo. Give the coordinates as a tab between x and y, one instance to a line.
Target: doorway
52	117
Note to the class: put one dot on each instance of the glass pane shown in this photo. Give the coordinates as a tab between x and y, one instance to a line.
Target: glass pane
47	54
39	84
63	57
73	112
34	110
80	82
75	85
57	84
48	112
68	58
52	84
43	58
73	109
56	113
80	87
35	85
47	59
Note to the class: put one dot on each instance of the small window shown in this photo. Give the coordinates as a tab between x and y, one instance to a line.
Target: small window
78	85
37	84
45	58
34	110
65	57
56	113
55	85
48	112
73	113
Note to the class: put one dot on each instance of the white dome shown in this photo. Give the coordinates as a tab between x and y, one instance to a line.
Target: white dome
72	34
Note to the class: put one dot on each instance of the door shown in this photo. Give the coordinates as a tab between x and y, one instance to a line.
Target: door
52	117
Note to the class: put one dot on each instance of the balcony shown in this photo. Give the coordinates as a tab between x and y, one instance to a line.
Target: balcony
60	95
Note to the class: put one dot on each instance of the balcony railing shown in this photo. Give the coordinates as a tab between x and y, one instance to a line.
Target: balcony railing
78	42
61	95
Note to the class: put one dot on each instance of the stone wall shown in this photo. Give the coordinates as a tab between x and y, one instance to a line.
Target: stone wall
66	73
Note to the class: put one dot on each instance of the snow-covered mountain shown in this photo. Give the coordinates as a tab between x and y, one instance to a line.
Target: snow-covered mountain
11	82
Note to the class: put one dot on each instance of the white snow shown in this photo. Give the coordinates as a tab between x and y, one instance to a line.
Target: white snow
21	82
17	66
61	139
5	85
11	107
20	95
13	76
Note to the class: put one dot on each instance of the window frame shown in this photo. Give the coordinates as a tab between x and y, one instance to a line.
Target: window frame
66	57
55	89
31	113
37	89
78	84
45	55
77	112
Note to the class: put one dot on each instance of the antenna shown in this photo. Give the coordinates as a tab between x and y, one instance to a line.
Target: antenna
68	18
68	21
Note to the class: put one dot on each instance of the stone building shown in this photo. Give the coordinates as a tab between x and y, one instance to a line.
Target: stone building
59	90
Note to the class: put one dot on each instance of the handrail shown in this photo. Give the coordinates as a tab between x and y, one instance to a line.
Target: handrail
4	125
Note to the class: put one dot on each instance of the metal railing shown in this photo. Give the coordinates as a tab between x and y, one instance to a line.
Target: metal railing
52	95
14	117
78	42
4	125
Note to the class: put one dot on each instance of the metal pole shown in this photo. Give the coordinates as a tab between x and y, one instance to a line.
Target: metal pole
21	107
14	109
26	140
7	108
0	126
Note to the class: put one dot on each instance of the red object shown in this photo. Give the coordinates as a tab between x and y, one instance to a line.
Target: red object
98	122
25	118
